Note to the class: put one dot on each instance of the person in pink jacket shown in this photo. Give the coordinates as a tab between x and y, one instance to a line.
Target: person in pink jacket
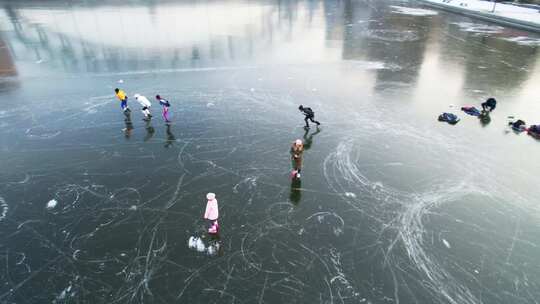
212	213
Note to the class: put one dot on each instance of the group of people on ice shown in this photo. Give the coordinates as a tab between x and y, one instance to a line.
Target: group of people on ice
211	213
487	107
145	104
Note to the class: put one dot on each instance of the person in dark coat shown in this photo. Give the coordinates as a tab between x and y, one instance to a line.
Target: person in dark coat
308	112
489	104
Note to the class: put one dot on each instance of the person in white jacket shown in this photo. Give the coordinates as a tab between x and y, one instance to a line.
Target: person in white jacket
145	103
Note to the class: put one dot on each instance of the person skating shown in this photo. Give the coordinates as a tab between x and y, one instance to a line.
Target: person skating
121	95
308	112
211	213
489	105
165	104
297	150
145	103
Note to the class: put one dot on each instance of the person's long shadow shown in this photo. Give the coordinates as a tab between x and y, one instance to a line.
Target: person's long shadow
170	137
296	184
308	140
296	191
129	125
149	130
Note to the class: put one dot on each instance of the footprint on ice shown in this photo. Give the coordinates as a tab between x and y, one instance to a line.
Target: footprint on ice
51	204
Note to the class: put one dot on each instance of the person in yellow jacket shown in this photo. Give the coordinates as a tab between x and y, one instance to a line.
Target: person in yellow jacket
121	95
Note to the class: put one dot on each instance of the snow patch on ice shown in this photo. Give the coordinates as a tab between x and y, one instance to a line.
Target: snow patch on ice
522	40
4	208
373	65
198	244
445	242
52	203
392	35
350	194
66	292
413	11
478	28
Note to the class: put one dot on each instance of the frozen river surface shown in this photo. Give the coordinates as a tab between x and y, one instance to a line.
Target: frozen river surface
393	206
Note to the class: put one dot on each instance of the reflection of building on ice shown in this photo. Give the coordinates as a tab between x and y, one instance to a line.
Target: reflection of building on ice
7	66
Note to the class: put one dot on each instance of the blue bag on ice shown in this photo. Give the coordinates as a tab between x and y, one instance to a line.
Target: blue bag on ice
471	111
449	118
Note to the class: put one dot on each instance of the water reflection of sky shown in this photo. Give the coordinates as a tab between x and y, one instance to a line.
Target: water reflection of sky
101	38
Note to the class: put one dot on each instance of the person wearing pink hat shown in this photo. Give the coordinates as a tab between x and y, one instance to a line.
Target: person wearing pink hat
212	213
297	150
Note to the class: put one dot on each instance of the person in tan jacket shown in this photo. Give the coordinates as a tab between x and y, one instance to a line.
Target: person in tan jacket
297	151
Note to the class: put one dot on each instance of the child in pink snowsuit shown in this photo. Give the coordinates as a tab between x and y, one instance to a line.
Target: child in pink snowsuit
211	213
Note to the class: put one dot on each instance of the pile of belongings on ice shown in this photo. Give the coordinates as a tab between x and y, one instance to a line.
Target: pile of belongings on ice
449	118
